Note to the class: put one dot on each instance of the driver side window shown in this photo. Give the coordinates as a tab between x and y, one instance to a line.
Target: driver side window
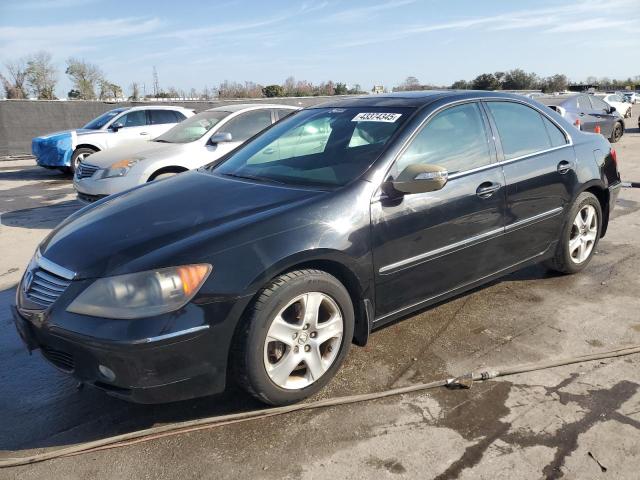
455	139
137	118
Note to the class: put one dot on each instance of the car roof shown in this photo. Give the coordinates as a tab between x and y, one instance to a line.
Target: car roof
413	99
236	107
157	107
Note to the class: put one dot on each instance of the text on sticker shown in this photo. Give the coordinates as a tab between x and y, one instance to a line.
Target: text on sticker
376	117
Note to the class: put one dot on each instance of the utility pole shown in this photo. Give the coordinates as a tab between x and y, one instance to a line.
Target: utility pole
156	83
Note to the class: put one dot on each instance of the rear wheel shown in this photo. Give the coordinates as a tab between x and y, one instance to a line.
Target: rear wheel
580	235
295	337
617	133
79	155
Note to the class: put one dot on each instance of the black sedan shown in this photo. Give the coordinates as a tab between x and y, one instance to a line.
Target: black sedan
264	268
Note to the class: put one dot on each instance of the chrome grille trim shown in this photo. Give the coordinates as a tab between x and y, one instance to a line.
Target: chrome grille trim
47	281
85	170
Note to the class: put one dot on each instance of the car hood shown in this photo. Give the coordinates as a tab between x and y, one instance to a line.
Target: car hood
153	224
139	149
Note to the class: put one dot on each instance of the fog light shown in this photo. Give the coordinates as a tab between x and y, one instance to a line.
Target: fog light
107	373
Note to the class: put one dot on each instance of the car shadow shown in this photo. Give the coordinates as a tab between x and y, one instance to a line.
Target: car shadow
46	217
32	173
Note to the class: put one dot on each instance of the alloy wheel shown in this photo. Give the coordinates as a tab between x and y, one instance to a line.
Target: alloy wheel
584	233
303	340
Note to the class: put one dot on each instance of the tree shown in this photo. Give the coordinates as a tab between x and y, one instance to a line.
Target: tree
555	83
340	89
485	81
110	91
42	76
518	79
193	93
86	77
273	91
206	93
460	85
356	90
410	83
14	82
135	92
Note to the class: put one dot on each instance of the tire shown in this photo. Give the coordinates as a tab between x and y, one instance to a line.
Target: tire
79	155
260	363
569	258
617	132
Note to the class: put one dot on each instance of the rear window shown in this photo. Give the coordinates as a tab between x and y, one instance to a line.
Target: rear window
522	129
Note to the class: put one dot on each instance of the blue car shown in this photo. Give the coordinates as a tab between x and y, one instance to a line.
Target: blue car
65	150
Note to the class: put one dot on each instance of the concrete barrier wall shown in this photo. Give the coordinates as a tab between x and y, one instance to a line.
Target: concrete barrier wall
21	120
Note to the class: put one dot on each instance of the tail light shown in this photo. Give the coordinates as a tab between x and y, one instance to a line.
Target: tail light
614	157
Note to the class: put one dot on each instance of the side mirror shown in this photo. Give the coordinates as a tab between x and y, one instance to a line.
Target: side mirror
220	137
612	109
418	178
117	126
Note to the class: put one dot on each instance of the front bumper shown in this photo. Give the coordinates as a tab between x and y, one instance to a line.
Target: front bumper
185	364
93	189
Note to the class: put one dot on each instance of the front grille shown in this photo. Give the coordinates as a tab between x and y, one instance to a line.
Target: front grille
85	170
62	360
45	287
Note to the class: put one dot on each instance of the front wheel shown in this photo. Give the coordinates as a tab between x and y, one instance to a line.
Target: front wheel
79	155
295	337
580	235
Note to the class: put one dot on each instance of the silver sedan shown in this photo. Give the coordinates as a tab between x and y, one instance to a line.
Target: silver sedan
195	142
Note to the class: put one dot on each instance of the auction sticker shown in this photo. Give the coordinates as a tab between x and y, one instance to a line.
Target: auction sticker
376	117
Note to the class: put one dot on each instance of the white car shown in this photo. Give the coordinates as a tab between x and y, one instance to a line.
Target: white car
616	100
197	141
65	150
632	97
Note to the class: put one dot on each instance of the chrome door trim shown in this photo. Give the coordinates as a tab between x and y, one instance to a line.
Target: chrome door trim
531	220
439	252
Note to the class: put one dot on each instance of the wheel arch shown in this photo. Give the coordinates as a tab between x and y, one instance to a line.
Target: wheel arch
334	264
167	169
87	145
603	196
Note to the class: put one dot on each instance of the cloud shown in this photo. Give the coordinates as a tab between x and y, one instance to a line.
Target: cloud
44	4
364	13
552	20
70	38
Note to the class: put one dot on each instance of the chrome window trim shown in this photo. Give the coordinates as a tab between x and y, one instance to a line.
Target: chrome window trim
439	252
535	154
54	268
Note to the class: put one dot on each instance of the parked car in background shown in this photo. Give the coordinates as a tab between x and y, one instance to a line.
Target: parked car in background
263	268
200	140
65	150
622	105
587	112
632	97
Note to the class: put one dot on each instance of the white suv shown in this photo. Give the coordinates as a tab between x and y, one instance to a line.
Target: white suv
65	150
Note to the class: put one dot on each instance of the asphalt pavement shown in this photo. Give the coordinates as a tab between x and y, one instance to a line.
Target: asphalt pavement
572	422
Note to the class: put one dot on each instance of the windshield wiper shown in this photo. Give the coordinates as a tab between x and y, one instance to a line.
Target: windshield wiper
247	176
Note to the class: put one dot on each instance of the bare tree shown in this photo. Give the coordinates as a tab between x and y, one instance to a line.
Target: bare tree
86	77
110	91
42	75
135	92
156	82
14	82
206	93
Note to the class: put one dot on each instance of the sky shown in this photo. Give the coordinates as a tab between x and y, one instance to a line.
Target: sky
366	42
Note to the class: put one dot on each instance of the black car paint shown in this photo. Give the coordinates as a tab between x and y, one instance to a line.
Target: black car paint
251	232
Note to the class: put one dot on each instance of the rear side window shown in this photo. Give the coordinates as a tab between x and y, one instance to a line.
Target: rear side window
454	139
599	105
246	125
555	134
159	117
137	118
522	129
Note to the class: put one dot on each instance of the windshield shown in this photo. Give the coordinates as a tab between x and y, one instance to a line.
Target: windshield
192	128
324	146
102	120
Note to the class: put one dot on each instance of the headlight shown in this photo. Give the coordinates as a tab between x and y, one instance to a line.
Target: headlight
118	169
143	294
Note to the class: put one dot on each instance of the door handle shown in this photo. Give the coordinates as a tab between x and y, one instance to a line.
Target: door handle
486	189
564	167
144	133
